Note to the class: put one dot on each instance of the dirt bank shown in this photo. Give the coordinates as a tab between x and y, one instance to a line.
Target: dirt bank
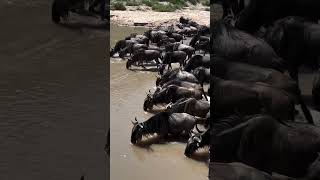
152	18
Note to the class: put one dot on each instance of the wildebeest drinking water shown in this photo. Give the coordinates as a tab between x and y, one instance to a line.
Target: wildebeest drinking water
165	124
171	93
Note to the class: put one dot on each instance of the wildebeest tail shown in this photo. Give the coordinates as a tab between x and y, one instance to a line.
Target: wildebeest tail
55	13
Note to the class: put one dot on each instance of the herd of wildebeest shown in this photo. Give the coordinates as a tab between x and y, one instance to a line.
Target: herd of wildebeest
249	110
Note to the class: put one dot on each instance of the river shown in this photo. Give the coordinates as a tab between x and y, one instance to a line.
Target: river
53	97
160	161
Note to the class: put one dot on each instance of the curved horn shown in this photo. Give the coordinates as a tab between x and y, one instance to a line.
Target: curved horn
198	129
134	123
135	118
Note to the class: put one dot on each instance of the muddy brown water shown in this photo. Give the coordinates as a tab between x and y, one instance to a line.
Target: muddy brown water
52	94
160	161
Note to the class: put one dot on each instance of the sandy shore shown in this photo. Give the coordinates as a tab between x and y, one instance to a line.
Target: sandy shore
129	17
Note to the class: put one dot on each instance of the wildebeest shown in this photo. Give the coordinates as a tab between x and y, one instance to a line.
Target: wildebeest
144	56
170	94
180	83
249	73
252	98
237	45
291	149
154	35
175	57
165	124
177	37
197	61
191	106
264	12
131	49
180	47
178	75
122	44
202	74
297	41
200	43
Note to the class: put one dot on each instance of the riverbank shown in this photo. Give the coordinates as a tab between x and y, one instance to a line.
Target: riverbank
201	15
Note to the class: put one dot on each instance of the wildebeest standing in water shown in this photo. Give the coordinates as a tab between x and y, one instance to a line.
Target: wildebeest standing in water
165	124
143	55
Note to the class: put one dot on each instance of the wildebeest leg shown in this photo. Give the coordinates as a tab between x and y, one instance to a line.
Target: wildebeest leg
306	111
204	94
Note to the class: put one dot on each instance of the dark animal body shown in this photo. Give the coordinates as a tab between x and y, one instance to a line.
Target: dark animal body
297	41
180	47
197	61
264	143
175	57
191	106
144	56
178	75
250	98
165	124
171	94
264	12
202	74
236	45
237	171
238	71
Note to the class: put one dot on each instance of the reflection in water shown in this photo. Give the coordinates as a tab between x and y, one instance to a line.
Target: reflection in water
52	84
159	161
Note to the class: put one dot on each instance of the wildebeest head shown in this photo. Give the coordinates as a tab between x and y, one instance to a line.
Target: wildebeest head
122	53
137	131
148	102
112	52
193	144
